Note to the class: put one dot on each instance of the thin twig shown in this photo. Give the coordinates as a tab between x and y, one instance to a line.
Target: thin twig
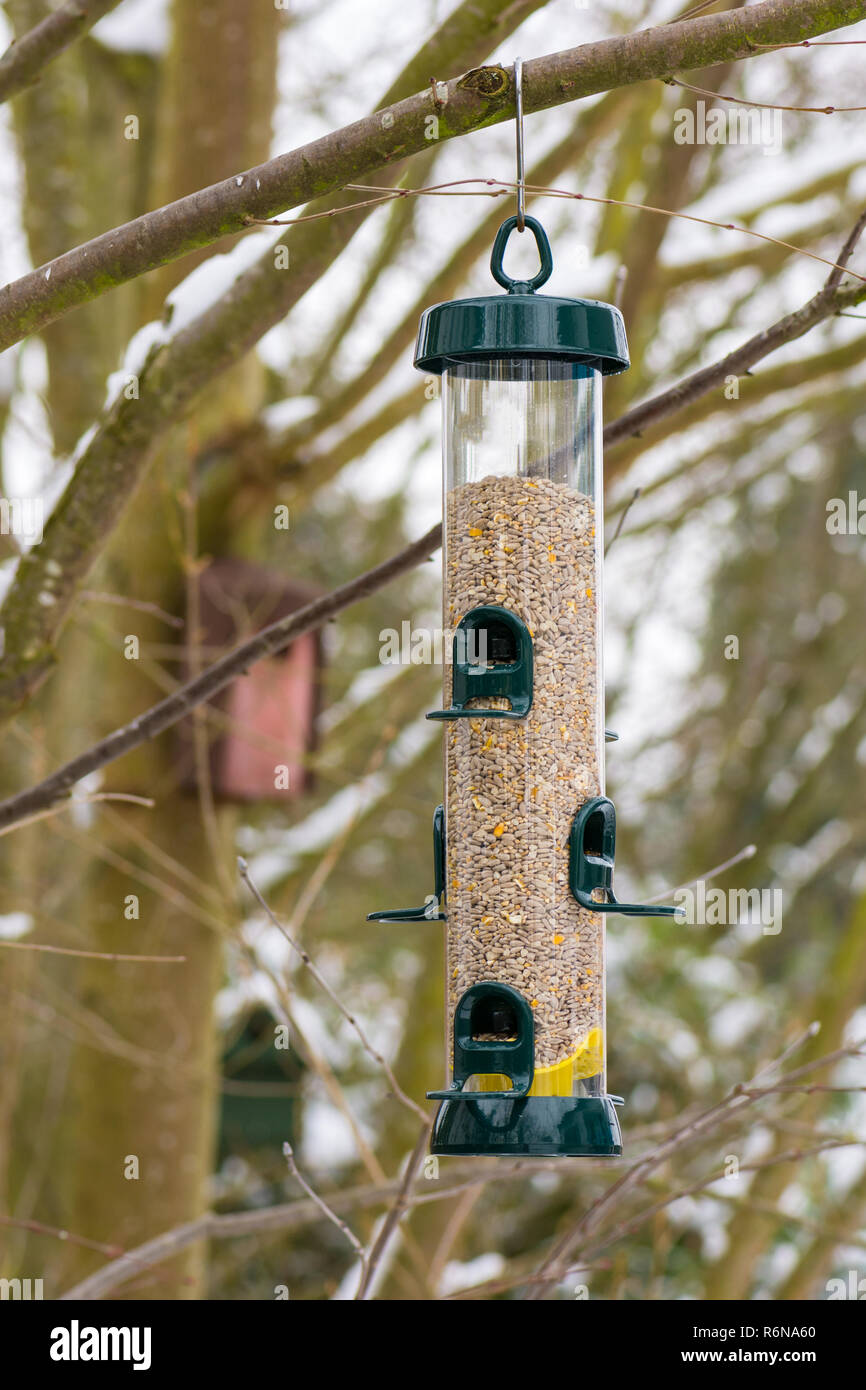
687	217
789	1218
90	955
160	856
501	187
81	801
140	604
335	999
290	1216
747	853
58	1233
463	1209
619	525
329	860
394	1217
811	43
846	253
764	105
316	1063
632	1224
840	1054
807	1034
322	166
695	9
277	636
517	1281
823	305
736	1099
806	1090
294	1215
323	1205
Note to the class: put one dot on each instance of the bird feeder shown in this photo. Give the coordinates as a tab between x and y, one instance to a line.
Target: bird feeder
525	846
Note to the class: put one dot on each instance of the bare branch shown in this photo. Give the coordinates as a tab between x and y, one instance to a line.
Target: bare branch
272	639
748	852
90	955
846	253
371	1262
288	1216
825	304
141	605
335	999
623	514
130	797
709	1120
44	588
828	302
323	1205
469	1174
479	98
25	58
39	1229
113	461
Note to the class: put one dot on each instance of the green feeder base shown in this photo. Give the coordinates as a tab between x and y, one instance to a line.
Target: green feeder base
575	1126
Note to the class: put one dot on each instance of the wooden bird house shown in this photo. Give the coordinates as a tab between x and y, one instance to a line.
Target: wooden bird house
261	729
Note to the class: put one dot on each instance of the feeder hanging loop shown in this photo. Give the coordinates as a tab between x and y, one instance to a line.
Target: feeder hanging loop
545	256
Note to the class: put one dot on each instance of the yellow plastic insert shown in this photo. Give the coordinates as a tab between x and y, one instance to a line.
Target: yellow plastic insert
587	1060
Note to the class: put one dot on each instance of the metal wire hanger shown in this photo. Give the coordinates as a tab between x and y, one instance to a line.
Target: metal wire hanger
518	126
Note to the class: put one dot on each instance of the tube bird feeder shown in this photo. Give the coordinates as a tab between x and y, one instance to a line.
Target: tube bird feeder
525	847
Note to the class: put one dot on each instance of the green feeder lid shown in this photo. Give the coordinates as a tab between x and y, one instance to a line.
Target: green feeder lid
522	323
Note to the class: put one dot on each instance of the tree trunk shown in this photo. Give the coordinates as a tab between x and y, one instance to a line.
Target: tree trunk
135	1108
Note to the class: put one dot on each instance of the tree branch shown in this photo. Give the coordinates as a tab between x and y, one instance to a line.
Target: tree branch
279	635
370	1262
350	1018
323	1207
340	398
116	456
48	576
479	98
25	58
272	639
295	1215
288	1216
830	300
737	1099
795	375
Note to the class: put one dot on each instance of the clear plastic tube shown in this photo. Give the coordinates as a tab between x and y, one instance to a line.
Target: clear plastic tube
523	531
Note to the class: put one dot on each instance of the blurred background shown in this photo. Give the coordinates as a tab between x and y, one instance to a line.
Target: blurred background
135	1096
